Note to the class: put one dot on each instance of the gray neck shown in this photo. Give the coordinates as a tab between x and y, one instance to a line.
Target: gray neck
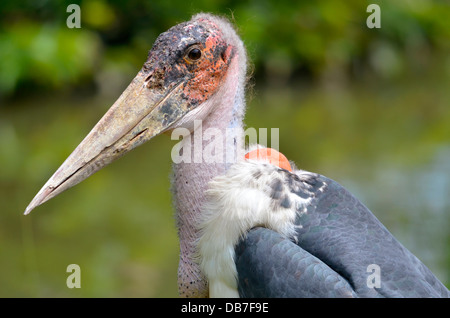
190	180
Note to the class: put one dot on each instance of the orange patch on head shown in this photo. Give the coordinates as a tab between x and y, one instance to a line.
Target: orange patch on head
272	156
210	69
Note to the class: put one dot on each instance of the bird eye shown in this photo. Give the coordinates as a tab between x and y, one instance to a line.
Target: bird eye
194	54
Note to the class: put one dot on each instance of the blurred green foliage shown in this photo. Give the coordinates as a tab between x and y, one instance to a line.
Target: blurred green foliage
285	38
366	107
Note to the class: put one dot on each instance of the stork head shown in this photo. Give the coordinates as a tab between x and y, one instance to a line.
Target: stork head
179	82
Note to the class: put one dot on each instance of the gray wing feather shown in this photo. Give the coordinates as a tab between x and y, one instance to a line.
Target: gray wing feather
337	239
270	265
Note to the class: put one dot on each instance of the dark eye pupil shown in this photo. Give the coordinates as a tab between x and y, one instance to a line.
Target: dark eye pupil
194	54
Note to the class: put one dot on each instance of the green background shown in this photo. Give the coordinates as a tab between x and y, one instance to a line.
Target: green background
366	107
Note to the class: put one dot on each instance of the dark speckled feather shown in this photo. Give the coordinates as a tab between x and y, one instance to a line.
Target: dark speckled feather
337	239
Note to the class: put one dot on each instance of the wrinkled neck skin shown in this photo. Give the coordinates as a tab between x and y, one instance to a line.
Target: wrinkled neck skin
190	180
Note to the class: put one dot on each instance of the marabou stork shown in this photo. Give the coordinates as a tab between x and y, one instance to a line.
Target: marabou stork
247	227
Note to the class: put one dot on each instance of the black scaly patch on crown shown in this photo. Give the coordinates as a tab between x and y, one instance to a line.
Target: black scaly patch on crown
163	64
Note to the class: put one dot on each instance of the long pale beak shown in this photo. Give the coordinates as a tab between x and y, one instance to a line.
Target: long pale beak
138	115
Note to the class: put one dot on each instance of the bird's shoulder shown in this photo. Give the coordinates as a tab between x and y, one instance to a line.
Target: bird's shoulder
322	218
250	194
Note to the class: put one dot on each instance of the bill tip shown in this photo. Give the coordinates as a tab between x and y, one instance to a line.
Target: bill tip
28	210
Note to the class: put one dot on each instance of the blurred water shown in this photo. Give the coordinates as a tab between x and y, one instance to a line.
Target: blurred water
392	153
